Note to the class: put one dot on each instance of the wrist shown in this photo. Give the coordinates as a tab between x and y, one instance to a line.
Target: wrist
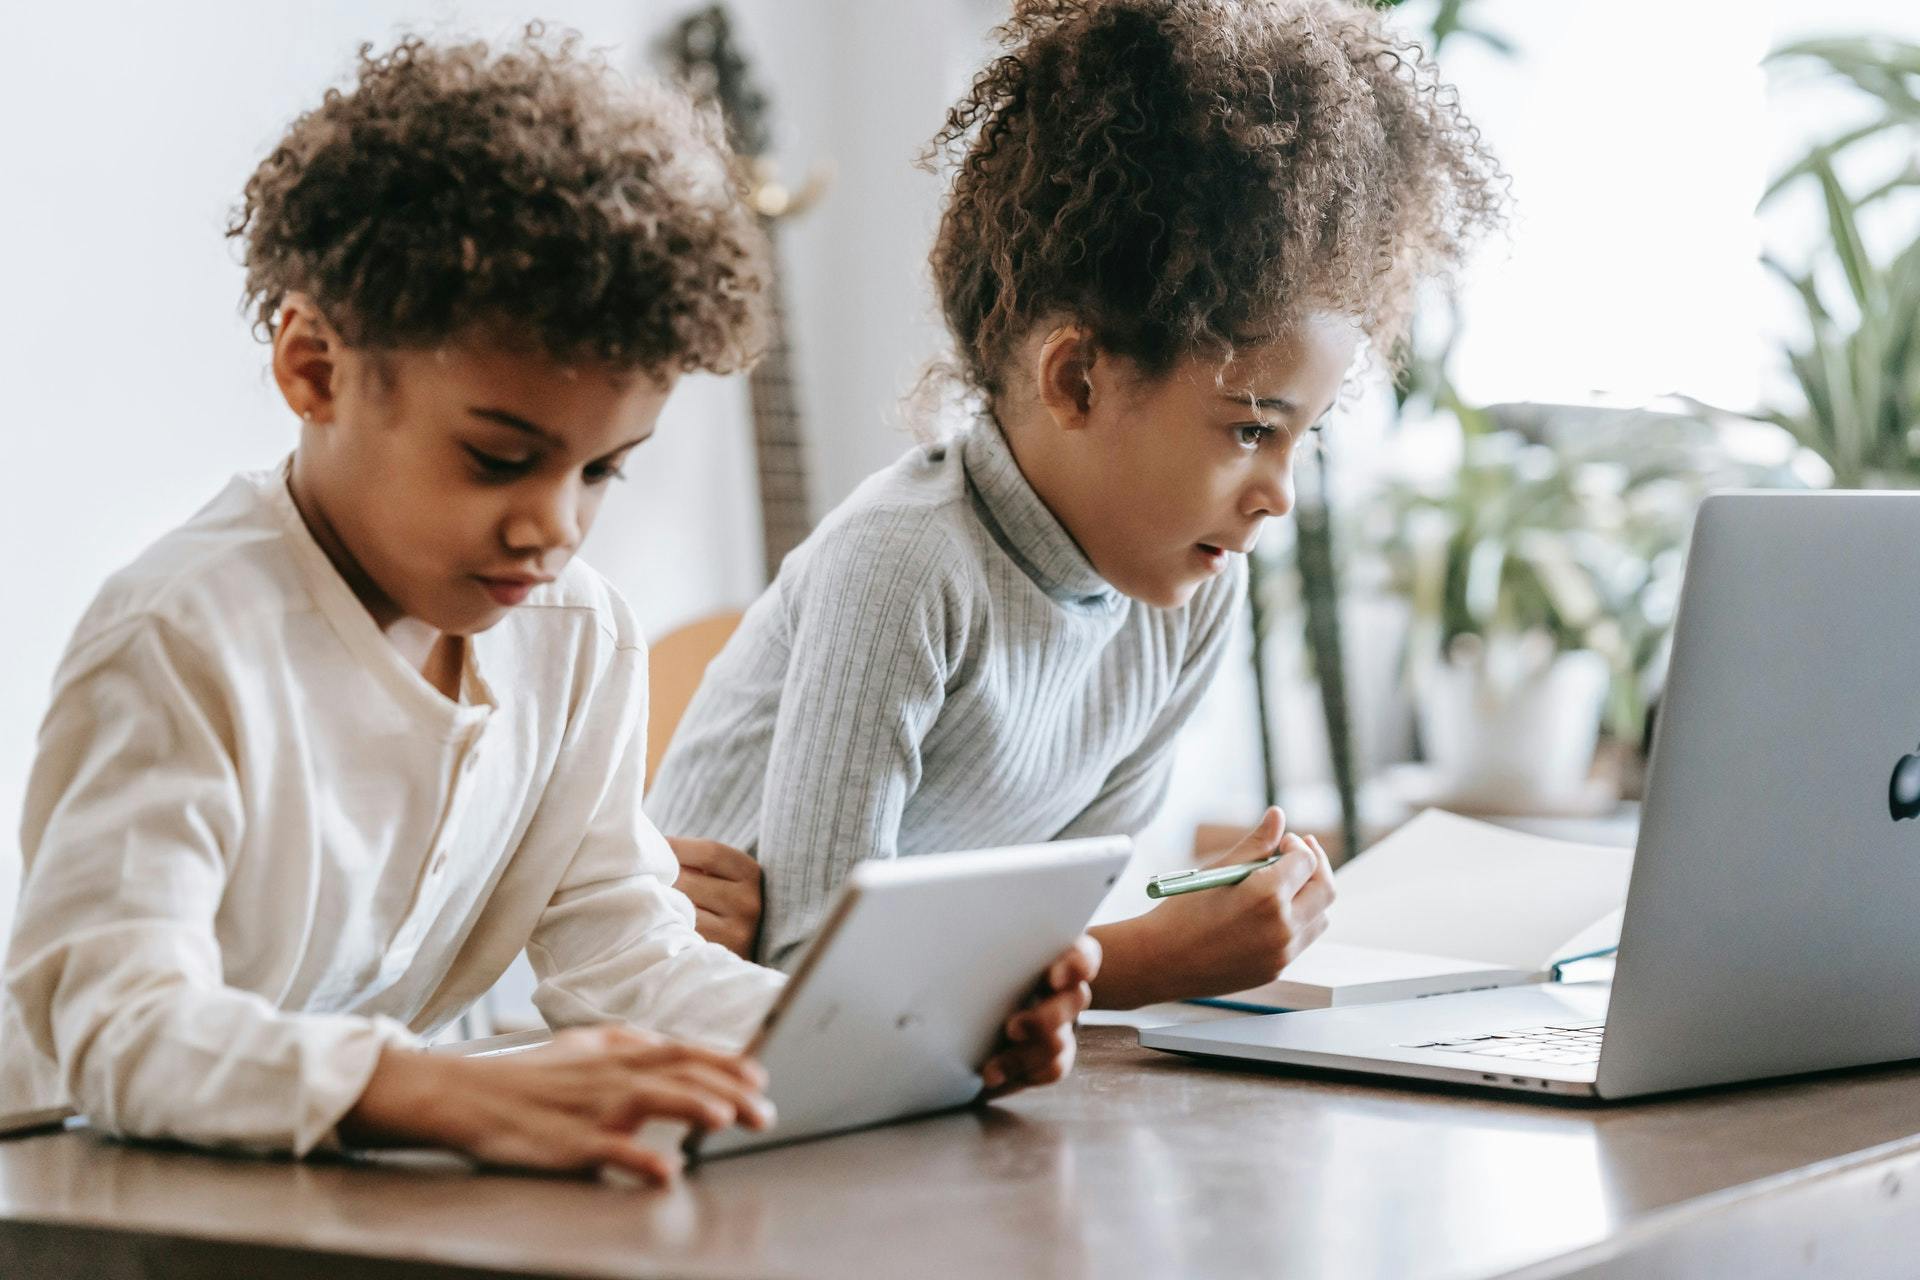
399	1106
1133	964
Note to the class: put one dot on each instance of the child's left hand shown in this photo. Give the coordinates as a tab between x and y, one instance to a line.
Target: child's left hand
1036	1047
724	886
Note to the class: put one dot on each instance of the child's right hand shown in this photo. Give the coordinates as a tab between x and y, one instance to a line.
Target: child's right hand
574	1104
1215	941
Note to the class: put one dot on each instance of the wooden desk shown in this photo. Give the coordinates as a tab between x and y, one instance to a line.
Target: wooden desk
1141	1165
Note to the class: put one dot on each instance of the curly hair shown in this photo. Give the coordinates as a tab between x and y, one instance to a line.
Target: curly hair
526	193
1191	175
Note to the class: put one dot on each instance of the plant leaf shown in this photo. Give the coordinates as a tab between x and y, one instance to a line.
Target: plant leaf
1847	245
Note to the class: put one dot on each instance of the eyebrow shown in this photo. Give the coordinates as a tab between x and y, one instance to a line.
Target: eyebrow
518	423
505	419
1279	404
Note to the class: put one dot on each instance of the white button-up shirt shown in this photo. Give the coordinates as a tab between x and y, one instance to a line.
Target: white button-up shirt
258	845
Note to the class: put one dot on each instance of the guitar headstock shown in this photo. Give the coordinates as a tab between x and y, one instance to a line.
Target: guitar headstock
701	53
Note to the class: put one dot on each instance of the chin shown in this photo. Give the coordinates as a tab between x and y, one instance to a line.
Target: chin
1159	594
473	626
461	620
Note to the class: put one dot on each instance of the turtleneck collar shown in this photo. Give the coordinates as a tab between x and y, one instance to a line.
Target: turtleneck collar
1023	525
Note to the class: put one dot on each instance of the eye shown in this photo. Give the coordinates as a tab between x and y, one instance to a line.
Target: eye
493	466
611	467
1251	435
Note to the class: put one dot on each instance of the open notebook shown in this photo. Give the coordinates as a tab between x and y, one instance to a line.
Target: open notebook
1449	904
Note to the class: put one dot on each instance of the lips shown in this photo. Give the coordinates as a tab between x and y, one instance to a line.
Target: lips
508	590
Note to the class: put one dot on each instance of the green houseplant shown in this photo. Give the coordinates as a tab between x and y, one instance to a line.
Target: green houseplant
1543	572
1858	370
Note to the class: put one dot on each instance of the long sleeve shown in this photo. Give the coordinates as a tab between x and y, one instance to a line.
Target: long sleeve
617	941
864	684
114	973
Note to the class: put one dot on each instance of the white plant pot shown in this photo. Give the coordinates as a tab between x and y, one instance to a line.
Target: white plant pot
1511	726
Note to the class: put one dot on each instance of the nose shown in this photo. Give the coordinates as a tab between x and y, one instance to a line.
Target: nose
1271	493
547	518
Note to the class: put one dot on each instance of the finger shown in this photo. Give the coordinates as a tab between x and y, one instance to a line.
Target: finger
1050	1015
724	928
705	890
752	1106
727	897
1325	870
1313	900
732	899
699	891
661	1096
545	1139
721	861
1078	963
607	1038
619	1155
1286	876
663	1053
1014	1069
1258	843
1041	1062
744	1070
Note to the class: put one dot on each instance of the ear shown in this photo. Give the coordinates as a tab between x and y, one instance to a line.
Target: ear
1064	374
306	358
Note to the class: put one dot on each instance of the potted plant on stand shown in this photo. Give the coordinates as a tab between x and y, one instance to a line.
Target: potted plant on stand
1542	573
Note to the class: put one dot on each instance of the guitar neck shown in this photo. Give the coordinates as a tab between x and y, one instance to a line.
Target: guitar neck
779	452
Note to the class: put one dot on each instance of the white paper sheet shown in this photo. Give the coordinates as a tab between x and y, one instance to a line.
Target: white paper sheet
1445	885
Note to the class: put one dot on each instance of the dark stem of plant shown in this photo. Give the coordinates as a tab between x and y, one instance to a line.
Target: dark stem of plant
1257	589
1320	589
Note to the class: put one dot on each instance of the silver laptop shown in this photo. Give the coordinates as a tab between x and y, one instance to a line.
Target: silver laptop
1773	918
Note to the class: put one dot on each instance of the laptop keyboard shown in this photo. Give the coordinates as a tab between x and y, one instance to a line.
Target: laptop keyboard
1570	1044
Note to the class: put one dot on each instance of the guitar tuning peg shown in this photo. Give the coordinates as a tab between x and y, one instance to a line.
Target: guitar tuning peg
773	199
812	189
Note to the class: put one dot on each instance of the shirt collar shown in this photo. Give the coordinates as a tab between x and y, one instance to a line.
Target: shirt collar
357	630
1023	525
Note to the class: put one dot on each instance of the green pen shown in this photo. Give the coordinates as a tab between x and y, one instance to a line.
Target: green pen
1189	881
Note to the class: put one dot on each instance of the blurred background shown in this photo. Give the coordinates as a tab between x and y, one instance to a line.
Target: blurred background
1713	277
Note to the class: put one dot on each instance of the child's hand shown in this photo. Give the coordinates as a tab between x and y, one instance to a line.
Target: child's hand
1215	941
1036	1046
572	1105
724	884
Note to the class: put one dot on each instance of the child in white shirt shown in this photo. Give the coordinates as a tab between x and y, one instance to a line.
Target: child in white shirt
324	759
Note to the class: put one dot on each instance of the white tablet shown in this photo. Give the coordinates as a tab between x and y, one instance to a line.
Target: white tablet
898	1002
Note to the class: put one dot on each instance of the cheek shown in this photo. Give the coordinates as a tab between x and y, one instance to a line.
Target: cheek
591	500
452	522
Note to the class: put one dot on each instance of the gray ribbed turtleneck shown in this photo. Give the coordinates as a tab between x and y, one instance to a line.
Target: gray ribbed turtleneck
937	667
